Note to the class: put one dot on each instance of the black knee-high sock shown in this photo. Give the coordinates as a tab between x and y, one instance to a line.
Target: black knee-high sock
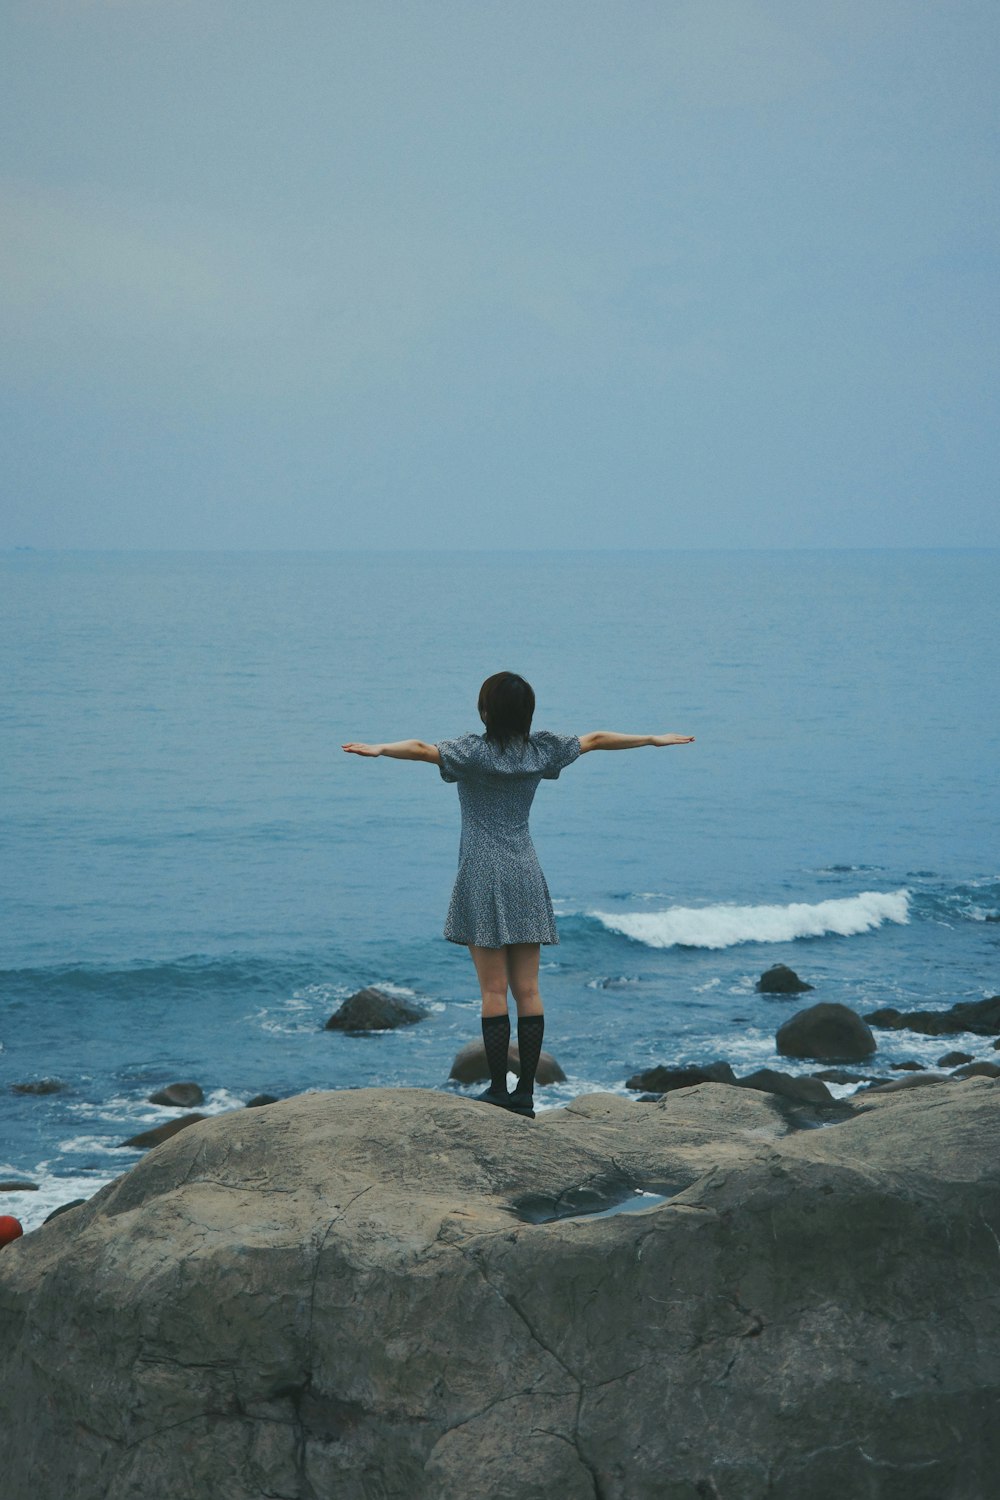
530	1030
496	1040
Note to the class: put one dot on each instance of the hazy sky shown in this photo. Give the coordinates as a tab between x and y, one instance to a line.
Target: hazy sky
558	273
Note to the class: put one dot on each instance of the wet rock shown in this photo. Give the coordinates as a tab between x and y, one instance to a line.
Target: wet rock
663	1080
790	1086
180	1095
353	1267
828	1032
14	1186
840	1075
908	1067
781	980
910	1081
259	1100
470	1065
979	1016
374	1010
39	1086
63	1209
977	1070
149	1138
955	1059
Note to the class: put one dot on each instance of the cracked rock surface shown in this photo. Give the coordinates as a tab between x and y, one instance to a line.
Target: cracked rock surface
336	1297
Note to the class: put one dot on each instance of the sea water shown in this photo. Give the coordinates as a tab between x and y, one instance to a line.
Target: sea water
194	875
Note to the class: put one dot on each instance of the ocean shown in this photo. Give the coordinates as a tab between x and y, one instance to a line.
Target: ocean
193	875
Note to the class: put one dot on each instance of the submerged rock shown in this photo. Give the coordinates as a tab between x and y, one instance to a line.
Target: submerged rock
663	1079
38	1086
979	1016
470	1065
781	980
908	1067
180	1095
374	1010
827	1032
340	1291
149	1138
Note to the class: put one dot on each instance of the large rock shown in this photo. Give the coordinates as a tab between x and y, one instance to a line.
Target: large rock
781	980
352	1294
827	1032
470	1065
374	1010
982	1017
180	1095
663	1079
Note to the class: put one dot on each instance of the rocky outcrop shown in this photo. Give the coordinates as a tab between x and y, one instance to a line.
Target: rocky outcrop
982	1017
828	1033
146	1139
403	1294
374	1010
781	980
788	1085
470	1065
663	1079
179	1095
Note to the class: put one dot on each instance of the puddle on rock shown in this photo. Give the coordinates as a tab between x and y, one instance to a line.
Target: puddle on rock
583	1203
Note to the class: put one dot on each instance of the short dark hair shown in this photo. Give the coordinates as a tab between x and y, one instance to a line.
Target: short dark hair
506	704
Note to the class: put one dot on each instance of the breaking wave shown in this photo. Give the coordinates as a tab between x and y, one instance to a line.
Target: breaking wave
725	926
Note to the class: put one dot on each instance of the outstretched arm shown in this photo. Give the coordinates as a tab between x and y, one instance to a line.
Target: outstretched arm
399	750
606	739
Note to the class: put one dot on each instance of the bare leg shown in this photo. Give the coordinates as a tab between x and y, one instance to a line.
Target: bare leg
522	976
491	969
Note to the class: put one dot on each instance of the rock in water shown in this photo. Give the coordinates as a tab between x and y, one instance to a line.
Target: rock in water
374	1010
470	1065
827	1032
789	1085
39	1086
180	1095
781	980
663	1080
160	1133
339	1296
979	1016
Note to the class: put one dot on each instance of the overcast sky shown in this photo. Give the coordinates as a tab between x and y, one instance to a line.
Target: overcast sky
546	273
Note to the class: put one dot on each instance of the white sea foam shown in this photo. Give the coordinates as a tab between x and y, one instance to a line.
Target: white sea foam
724	926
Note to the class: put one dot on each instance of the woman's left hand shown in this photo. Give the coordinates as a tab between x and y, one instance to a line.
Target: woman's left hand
355	749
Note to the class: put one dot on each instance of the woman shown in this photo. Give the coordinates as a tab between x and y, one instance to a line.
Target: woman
500	906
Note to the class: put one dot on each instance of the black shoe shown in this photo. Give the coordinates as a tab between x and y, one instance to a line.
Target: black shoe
521	1102
490	1096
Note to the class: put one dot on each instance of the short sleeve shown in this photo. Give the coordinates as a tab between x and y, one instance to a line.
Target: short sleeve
558	752
456	757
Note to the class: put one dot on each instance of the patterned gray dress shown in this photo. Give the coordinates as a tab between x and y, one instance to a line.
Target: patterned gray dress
500	894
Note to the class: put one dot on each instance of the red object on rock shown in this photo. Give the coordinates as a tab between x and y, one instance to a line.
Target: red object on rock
10	1229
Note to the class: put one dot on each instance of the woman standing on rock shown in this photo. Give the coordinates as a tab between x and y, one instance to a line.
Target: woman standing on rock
500	906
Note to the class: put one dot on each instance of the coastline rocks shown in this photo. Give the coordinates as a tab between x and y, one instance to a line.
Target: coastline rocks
840	1075
64	1208
908	1067
146	1139
39	1086
954	1059
828	1032
977	1070
339	1295
180	1095
663	1080
470	1065
788	1085
781	980
259	1100
979	1016
908	1081
374	1010
14	1186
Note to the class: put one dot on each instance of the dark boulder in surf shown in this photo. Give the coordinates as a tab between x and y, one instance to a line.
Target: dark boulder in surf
788	1085
977	1070
781	980
179	1095
39	1086
663	1079
954	1059
259	1100
979	1016
470	1065
908	1067
146	1139
829	1032
372	1009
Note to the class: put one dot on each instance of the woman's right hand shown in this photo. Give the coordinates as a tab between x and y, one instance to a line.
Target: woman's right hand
659	740
357	749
